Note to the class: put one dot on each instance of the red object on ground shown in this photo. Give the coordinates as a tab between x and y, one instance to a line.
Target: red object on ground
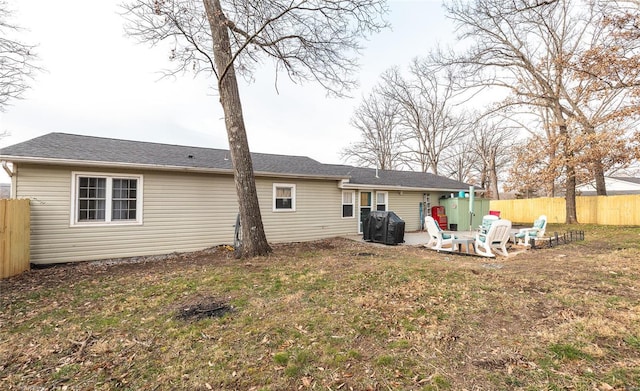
438	214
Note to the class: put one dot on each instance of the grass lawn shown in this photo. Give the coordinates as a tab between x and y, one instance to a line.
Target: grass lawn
332	315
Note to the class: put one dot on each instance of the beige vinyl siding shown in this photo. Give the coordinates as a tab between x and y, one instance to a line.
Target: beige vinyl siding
318	211
406	204
181	212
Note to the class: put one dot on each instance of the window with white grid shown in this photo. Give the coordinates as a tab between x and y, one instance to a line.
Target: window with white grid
106	199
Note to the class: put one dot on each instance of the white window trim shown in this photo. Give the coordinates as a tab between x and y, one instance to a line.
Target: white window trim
293	197
73	222
371	206
353	204
386	200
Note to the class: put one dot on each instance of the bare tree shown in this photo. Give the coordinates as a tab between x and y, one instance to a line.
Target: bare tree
526	46
427	99
17	60
492	142
380	143
460	162
307	39
537	160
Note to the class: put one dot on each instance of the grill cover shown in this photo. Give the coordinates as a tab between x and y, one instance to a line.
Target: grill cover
383	227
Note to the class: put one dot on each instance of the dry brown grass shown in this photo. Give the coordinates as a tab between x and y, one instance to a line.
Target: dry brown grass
333	315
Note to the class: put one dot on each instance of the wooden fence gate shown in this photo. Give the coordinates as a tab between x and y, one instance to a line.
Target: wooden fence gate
15	229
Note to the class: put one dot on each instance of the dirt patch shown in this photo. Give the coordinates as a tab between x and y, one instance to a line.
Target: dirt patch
202	308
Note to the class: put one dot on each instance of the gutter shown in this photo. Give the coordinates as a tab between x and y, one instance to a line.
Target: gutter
355	186
158	167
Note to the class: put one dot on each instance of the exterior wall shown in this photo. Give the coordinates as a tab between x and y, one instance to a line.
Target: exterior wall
613	186
457	211
181	212
318	211
406	204
618	185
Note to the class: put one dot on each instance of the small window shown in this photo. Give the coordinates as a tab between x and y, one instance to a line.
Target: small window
284	197
427	202
348	198
381	200
106	199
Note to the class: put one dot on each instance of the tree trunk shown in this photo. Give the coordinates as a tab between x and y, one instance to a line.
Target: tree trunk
571	216
570	197
598	170
483	178
254	240
598	173
493	175
495	194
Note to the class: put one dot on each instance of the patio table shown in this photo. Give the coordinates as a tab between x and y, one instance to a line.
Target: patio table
456	244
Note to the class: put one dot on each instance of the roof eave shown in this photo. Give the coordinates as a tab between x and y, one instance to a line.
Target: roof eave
122	165
359	186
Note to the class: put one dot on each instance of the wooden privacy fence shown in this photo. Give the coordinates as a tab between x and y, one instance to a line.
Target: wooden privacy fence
14	237
604	210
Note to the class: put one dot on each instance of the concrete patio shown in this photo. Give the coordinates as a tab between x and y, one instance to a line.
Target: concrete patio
415	238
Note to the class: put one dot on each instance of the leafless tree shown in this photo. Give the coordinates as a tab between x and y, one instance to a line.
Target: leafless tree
536	161
307	39
526	46
17	60
428	99
380	143
492	142
460	162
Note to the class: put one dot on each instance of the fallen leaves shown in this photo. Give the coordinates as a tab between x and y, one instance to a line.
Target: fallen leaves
330	320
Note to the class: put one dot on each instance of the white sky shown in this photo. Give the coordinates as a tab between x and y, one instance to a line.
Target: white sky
99	82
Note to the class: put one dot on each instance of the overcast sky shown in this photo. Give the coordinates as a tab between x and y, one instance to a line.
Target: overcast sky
99	82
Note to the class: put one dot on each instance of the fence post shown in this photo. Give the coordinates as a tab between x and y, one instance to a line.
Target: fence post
14	237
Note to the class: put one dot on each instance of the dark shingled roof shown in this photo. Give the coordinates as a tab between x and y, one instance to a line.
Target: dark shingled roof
78	149
367	176
97	149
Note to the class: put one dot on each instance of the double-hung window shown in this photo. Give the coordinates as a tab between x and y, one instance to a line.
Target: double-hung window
382	198
106	199
348	197
284	197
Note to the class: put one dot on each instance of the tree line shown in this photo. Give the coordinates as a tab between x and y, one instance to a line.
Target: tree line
566	73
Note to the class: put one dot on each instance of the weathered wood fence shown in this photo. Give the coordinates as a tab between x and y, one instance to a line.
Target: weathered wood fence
604	210
14	237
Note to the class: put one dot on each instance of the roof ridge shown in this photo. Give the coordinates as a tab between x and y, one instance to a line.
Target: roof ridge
169	144
60	147
128	140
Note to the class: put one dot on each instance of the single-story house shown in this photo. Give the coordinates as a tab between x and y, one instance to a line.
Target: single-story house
97	198
616	185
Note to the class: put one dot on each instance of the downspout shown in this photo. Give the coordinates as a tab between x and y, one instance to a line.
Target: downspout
14	178
7	169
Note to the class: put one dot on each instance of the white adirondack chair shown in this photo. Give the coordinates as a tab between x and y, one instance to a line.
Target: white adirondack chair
494	240
537	231
437	238
486	223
